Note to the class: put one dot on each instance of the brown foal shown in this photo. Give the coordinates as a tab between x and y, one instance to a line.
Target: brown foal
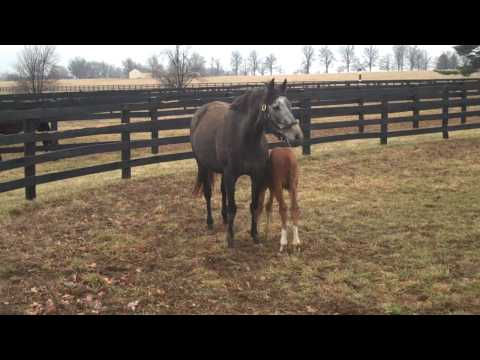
282	174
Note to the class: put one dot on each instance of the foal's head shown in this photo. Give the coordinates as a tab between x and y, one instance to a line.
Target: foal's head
279	115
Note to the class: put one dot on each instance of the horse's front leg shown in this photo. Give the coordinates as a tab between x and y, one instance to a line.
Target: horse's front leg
256	206
230	180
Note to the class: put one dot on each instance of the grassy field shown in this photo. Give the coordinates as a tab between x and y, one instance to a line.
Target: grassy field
386	230
391	75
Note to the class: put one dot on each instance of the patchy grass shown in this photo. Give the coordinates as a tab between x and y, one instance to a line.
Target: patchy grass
386	230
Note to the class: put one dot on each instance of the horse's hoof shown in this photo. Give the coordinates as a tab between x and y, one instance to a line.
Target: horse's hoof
210	226
230	242
282	249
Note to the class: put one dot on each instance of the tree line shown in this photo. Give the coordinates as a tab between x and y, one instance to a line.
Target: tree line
38	66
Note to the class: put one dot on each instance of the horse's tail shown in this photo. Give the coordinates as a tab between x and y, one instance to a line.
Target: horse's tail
200	183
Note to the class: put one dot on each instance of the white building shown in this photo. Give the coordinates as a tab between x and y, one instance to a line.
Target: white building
137	74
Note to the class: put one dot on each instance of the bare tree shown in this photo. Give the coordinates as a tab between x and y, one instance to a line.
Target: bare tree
399	53
347	54
371	56
218	67
154	66
178	72
413	57
129	65
59	72
308	53
358	65
425	60
33	67
270	62
326	57
253	62
244	66
261	67
197	64
236	62
386	62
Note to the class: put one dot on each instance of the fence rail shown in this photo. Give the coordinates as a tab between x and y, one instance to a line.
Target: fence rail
319	110
204	86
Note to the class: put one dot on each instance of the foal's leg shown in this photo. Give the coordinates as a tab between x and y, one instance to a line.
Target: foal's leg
283	214
268	210
230	180
295	212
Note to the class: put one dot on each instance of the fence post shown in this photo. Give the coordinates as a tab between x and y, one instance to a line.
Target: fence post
54	127
445	104
154	117
416	111
384	123
306	121
361	127
29	151
464	107
126	152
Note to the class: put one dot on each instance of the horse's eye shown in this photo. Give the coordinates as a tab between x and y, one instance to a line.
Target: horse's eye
276	107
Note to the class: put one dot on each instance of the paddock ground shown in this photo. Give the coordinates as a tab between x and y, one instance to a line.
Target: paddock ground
386	230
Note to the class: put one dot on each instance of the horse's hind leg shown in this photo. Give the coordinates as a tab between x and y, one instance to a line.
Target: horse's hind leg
205	179
230	180
224	201
258	189
268	210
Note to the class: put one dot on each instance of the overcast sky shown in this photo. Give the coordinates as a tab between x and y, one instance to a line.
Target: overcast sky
289	56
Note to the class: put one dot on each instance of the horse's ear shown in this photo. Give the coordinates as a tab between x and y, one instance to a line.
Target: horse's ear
271	86
283	87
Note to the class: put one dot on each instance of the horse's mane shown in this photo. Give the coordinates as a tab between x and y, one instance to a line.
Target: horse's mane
244	102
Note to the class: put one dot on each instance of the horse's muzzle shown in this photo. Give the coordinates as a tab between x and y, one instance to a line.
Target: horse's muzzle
292	136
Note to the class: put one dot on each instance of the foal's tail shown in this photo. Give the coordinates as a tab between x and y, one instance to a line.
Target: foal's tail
200	183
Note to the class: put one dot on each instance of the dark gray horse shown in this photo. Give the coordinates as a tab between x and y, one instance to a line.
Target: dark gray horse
8	128
230	140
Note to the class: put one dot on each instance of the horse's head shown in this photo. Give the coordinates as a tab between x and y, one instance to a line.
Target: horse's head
279	114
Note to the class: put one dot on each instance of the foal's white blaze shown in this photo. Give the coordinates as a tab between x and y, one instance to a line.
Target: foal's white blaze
296	239
283	240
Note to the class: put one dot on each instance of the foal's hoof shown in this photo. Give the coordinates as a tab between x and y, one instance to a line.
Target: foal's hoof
297	247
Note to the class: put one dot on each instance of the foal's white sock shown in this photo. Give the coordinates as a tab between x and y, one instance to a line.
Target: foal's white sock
296	239
283	239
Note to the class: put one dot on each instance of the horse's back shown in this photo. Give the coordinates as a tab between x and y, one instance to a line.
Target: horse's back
206	132
9	128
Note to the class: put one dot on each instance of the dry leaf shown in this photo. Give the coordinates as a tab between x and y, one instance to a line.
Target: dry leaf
132	305
50	307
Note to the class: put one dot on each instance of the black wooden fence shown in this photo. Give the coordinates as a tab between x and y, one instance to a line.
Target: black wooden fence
196	86
161	113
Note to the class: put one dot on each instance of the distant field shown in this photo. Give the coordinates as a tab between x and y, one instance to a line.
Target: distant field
393	75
